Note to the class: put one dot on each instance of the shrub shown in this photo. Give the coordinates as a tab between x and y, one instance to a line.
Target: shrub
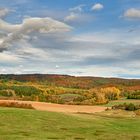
133	94
129	107
6	93
16	105
137	112
25	90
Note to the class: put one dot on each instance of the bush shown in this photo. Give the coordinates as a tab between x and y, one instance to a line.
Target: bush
129	107
133	94
16	105
137	112
25	90
6	93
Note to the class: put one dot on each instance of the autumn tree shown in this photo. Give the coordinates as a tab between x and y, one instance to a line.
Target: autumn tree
111	93
98	96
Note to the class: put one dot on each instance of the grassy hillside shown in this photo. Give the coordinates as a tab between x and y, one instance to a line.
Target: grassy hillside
38	125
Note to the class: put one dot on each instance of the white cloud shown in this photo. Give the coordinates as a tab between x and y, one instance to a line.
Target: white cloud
7	27
78	18
78	8
132	13
78	15
30	25
4	12
111	36
8	57
97	7
88	54
57	66
71	17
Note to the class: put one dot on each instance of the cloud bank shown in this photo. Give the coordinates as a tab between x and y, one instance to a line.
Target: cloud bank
72	39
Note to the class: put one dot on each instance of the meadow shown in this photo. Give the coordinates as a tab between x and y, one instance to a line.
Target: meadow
122	101
26	124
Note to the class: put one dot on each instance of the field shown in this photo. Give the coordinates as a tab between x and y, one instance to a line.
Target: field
117	102
40	125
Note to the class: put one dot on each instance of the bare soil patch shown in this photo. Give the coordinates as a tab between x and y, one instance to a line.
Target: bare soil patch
61	108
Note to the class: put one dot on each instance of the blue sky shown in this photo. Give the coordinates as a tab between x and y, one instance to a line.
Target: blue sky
75	37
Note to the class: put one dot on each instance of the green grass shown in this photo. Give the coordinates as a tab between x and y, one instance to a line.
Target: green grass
117	102
22	124
70	95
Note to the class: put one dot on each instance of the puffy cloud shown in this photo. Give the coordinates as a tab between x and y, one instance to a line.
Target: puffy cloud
4	12
97	7
132	13
71	17
7	27
30	25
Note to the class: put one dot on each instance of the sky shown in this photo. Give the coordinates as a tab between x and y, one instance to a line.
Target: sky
73	37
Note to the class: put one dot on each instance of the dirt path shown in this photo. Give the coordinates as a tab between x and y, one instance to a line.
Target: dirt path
61	108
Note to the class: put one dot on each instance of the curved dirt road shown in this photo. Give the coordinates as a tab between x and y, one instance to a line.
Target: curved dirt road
61	108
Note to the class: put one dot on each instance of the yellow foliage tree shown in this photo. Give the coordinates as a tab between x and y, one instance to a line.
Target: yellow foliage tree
98	95
112	93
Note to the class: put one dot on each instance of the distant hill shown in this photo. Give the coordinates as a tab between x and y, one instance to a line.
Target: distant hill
73	81
65	89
